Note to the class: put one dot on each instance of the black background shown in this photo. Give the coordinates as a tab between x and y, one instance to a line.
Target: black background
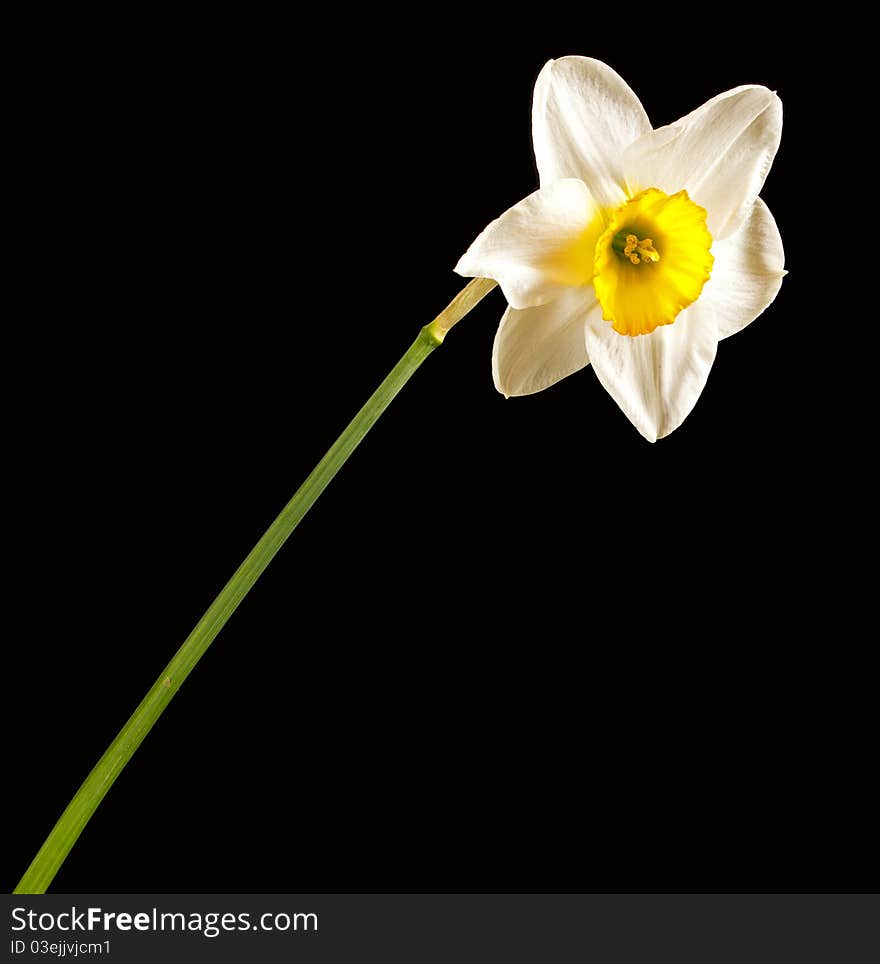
514	645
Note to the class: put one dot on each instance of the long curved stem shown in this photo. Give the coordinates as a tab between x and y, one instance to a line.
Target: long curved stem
86	800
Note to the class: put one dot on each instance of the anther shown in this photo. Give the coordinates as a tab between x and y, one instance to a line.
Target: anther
634	250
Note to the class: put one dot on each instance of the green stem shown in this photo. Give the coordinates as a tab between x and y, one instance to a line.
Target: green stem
80	809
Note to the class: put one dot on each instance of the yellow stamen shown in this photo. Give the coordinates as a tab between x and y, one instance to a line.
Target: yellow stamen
634	249
646	250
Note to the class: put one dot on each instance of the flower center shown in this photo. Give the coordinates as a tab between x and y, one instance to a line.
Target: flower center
628	244
639	289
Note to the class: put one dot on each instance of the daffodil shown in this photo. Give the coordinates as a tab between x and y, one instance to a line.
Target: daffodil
642	248
640	251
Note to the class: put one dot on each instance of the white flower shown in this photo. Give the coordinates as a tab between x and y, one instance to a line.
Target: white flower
641	250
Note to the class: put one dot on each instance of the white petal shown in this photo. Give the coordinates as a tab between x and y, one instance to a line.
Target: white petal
748	272
525	249
656	379
720	154
583	116
537	347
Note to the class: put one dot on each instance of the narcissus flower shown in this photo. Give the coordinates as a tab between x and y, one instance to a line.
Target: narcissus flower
641	250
